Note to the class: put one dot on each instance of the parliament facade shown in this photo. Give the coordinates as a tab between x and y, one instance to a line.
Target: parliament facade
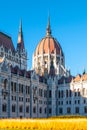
47	90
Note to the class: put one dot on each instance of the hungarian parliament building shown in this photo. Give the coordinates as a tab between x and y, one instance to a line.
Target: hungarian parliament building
48	89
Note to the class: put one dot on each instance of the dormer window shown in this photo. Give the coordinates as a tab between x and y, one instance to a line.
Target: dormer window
1	49
9	52
6	50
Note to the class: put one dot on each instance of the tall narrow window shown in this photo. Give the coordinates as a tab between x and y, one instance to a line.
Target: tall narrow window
66	93
45	93
34	109
5	83
4	107
40	110
68	110
85	109
60	110
77	110
62	94
14	87
50	94
59	93
75	94
13	108
28	89
20	108
27	109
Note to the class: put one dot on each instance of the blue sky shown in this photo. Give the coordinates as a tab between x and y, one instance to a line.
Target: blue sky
68	25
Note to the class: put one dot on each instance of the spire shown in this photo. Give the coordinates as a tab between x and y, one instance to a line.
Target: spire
20	27
48	31
20	37
84	71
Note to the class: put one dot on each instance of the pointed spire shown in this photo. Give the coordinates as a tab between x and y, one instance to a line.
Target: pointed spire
20	27
48	31
20	37
84	71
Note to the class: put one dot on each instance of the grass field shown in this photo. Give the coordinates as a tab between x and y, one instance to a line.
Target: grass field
44	124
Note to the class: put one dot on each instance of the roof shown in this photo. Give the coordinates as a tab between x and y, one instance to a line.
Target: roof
84	77
65	79
42	79
77	78
16	70
6	41
80	77
48	44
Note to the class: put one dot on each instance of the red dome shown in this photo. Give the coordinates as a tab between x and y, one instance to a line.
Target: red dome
48	44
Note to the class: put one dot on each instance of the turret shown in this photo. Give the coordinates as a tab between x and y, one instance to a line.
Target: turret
21	49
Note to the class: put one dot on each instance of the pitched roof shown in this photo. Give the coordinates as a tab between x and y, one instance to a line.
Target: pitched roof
77	78
84	77
80	77
65	79
6	41
16	70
